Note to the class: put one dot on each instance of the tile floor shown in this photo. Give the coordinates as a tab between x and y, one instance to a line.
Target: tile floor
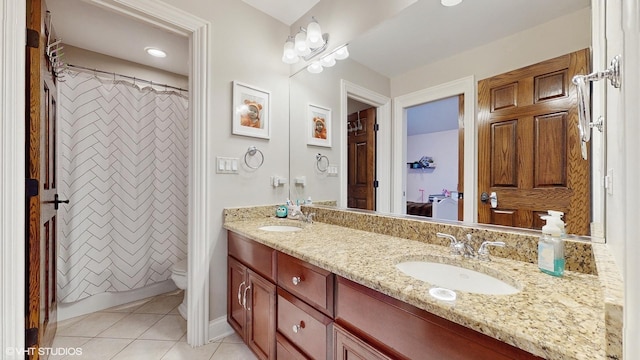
149	329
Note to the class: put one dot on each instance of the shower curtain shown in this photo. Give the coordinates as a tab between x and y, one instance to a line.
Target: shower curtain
124	168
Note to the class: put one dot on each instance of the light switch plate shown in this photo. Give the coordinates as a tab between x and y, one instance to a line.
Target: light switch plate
226	165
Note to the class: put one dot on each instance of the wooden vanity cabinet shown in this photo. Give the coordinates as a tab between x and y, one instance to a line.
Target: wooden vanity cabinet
349	347
403	331
251	303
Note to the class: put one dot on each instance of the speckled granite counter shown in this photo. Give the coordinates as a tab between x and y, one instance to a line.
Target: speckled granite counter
555	318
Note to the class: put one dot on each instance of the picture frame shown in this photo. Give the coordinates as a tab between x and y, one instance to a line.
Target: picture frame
318	125
251	111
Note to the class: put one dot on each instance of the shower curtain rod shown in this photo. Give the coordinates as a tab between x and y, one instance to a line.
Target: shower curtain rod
135	79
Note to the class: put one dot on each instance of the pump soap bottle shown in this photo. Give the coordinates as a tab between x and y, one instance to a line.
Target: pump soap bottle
551	248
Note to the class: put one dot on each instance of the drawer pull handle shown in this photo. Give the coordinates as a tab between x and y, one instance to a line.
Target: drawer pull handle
297	327
244	298
296	280
239	295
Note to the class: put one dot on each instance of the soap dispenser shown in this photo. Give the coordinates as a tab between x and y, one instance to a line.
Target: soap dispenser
551	248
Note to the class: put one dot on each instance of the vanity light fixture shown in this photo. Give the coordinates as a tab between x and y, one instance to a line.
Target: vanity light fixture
450	2
306	44
329	59
155	52
315	67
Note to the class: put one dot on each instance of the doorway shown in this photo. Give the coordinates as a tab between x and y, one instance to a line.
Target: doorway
361	156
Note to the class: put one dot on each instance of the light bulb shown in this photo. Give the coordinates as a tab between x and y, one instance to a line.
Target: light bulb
314	35
301	44
289	55
328	61
341	53
155	52
315	67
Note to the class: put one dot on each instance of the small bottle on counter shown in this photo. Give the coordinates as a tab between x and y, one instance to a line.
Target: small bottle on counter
551	248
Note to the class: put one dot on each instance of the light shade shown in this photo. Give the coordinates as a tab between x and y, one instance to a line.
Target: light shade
289	55
450	2
155	52
315	67
342	53
328	61
314	35
301	44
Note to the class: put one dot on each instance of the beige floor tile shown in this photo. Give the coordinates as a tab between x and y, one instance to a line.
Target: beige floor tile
66	342
129	307
161	305
100	349
170	327
145	350
233	351
131	326
68	322
233	338
91	325
183	351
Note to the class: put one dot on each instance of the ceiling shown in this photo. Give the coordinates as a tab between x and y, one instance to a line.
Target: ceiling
433	32
431	117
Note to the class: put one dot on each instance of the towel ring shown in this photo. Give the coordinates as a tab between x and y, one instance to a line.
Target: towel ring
319	161
251	152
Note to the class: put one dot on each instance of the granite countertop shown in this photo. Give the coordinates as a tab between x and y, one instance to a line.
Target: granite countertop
554	318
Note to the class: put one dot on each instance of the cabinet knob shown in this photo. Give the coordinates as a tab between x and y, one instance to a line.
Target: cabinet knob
296	280
297	327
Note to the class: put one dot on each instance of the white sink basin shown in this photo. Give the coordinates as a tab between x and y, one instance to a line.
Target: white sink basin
456	278
280	228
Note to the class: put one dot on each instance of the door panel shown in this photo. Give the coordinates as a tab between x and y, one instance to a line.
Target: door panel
361	159
41	118
529	153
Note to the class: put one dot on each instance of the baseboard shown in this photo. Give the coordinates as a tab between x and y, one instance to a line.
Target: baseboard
106	300
219	329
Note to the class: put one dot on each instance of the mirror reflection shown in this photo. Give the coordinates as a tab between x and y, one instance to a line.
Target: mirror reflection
425	48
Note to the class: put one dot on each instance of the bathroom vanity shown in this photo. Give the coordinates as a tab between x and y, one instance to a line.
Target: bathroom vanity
330	291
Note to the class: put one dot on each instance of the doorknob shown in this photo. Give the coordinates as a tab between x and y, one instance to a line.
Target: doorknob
484	197
492	199
56	201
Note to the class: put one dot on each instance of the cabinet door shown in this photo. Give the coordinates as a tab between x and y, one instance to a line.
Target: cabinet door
349	347
261	312
236	282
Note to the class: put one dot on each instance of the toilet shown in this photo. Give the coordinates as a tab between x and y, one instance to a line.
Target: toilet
179	277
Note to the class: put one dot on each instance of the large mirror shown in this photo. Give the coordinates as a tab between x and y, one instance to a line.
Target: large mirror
425	57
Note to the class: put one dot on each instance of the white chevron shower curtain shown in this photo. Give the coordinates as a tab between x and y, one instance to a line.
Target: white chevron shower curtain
123	164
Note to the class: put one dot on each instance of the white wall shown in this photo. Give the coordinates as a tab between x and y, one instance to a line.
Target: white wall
77	56
554	38
323	90
246	46
442	146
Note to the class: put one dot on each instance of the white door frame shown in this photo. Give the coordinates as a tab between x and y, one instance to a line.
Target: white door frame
383	141
12	155
12	173
465	86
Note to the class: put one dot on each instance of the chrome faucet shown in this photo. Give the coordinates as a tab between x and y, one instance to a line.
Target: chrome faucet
483	251
465	249
307	218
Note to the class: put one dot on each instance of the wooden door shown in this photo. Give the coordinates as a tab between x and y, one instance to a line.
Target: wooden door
361	188
41	246
261	316
529	149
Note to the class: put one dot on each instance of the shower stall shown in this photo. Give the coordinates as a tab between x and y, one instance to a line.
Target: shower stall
124	165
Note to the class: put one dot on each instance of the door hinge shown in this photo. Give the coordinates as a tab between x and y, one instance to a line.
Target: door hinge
30	337
33	39
31	187
376	127
375	183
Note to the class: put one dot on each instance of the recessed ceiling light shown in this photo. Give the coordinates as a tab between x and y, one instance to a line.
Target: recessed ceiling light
450	2
155	52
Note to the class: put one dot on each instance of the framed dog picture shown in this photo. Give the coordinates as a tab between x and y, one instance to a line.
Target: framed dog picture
318	126
251	111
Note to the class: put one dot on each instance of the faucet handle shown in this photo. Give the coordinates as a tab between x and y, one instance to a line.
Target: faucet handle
483	251
454	246
310	217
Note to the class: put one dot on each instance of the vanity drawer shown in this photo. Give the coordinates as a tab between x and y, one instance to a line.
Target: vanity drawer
308	282
286	350
260	258
304	327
